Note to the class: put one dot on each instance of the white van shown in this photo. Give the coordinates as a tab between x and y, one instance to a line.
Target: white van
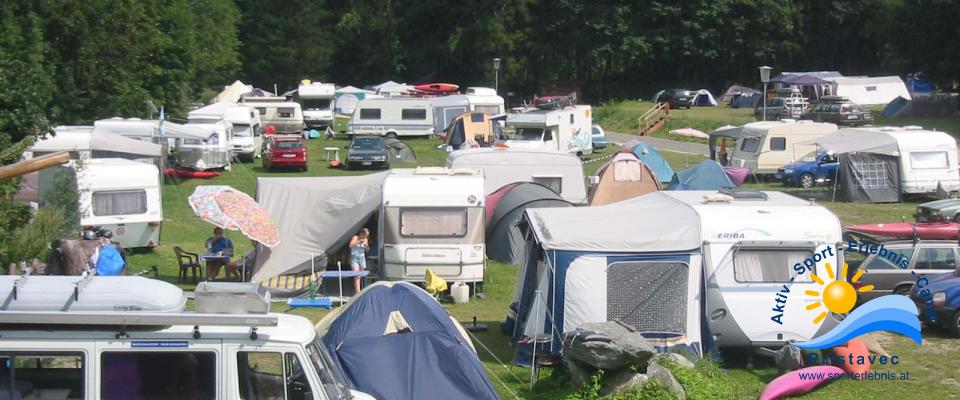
432	218
404	116
247	142
212	153
766	146
283	115
128	337
561	172
567	130
317	101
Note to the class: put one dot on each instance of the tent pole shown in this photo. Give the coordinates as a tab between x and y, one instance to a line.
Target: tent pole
533	363
835	174
340	280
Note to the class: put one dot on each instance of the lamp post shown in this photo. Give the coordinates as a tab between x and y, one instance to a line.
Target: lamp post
496	74
765	77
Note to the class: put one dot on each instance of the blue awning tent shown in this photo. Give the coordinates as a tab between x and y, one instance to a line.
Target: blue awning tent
652	158
393	341
708	175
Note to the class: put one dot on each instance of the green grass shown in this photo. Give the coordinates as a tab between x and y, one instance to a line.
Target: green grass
932	366
622	117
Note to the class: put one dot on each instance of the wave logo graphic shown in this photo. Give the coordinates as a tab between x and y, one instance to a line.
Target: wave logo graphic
893	313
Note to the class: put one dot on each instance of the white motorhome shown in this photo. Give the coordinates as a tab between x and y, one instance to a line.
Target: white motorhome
283	115
561	172
215	152
567	130
129	337
317	101
247	139
402	116
432	218
766	146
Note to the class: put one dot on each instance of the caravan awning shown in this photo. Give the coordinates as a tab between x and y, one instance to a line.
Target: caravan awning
95	139
850	140
180	131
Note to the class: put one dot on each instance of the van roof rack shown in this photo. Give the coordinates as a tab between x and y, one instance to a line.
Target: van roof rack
123	318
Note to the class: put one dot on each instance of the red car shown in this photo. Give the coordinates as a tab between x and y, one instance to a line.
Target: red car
285	152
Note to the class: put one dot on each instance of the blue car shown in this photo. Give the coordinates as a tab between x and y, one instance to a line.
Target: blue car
599	137
811	169
938	299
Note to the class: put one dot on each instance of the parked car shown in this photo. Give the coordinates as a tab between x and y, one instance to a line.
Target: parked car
599	137
926	257
367	151
939	211
813	168
939	295
285	152
676	98
782	107
839	110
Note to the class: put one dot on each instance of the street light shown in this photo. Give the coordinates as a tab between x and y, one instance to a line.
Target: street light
765	77
496	74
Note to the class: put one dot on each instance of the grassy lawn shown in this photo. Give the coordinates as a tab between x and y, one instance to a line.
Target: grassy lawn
622	117
933	367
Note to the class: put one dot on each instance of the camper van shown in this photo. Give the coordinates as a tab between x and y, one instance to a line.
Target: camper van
721	263
120	195
560	172
567	130
480	99
128	337
317	101
393	117
283	115
432	218
212	153
247	142
766	146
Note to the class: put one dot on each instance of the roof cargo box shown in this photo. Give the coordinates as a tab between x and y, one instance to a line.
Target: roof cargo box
94	293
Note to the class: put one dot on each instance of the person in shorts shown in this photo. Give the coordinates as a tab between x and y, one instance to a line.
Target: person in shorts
359	245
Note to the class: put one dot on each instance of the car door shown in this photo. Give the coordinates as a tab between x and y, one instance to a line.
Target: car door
827	167
885	275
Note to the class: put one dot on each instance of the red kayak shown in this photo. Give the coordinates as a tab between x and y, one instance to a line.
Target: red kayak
437	87
903	230
184	173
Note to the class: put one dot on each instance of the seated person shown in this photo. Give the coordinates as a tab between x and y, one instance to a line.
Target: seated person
220	245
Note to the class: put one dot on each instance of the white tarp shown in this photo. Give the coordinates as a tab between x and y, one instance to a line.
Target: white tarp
870	90
233	92
315	216
95	139
852	140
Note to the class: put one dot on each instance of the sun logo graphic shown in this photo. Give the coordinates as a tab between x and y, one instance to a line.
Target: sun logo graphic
838	296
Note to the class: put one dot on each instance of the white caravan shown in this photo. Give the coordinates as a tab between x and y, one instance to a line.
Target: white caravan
432	218
403	116
446	108
215	152
765	146
561	172
567	130
129	337
84	142
247	142
283	115
148	130
317	101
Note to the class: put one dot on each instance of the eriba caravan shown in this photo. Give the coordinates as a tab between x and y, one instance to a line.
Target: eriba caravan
247	129
392	117
128	337
432	218
568	130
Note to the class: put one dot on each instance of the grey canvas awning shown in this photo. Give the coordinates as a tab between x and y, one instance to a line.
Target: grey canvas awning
95	139
852	140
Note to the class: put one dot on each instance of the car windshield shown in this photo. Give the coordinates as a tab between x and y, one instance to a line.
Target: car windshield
367	143
315	104
242	131
809	157
527	134
289	145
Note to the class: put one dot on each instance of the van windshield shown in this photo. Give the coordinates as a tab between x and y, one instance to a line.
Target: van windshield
315	104
242	131
527	134
334	384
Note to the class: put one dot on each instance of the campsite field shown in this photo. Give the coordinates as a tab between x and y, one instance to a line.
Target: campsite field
932	367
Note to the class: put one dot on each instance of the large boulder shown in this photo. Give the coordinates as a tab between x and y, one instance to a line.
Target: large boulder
579	374
660	373
621	381
608	345
677	359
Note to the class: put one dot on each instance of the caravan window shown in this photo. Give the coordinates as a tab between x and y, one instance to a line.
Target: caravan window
271	375
285	112
750	145
158	374
929	160
554	183
770	265
119	202
413	113
369	113
476	117
41	375
433	222
778	144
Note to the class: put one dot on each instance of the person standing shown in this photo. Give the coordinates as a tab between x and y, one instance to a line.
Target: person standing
359	245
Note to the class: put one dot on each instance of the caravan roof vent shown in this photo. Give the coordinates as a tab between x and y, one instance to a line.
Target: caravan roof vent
912	128
231	298
742	194
788	120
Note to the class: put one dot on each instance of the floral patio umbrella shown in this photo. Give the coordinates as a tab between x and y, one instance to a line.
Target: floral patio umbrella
232	209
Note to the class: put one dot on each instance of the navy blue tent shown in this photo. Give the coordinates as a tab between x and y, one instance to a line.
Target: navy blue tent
708	175
395	342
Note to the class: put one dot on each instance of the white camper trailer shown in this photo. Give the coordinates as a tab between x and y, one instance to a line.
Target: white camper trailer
317	101
432	218
283	115
212	153
121	337
567	130
765	146
446	108
393	117
84	142
247	139
560	172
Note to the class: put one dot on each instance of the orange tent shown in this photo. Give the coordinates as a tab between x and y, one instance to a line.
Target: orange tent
623	177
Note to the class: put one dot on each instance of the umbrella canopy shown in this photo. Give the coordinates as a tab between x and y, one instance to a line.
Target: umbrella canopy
232	209
803	80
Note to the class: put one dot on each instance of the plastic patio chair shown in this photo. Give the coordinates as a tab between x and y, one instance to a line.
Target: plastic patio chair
187	260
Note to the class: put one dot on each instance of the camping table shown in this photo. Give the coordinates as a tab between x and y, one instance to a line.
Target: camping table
206	257
327	151
327	301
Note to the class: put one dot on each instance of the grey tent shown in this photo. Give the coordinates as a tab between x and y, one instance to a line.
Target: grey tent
316	217
505	241
398	151
869	169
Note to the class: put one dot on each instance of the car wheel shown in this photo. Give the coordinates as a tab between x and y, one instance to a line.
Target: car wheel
392	135
902	290
807	181
955	324
303	168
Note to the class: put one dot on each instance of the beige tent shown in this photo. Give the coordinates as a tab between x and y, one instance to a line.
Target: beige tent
232	92
623	177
